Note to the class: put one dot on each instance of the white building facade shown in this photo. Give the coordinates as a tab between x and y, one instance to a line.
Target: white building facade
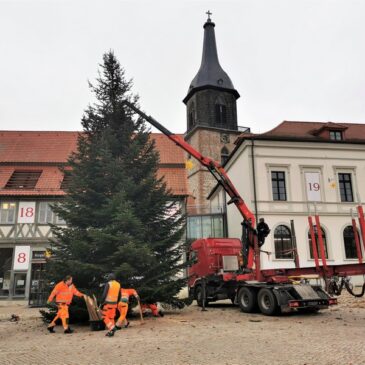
291	172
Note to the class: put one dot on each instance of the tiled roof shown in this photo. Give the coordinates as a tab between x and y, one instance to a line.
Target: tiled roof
44	147
312	130
30	150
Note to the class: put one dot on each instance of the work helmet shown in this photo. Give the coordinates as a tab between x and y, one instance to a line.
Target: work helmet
110	276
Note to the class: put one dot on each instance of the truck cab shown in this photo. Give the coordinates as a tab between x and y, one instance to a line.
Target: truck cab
216	261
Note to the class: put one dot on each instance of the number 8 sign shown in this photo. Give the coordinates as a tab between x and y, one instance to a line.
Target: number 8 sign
26	213
21	258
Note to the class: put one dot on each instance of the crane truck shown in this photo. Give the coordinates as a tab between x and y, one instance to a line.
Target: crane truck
229	268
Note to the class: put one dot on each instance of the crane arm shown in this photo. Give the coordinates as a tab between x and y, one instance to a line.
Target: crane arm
215	168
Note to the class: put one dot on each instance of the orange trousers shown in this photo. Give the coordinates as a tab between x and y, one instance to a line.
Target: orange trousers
123	310
109	311
61	313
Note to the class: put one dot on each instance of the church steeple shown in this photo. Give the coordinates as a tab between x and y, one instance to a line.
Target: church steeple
210	74
211	98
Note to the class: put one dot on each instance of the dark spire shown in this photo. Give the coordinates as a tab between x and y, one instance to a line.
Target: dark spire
210	74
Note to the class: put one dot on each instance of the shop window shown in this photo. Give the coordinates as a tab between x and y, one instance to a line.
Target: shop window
317	243
349	242
7	213
21	179
20	279
6	259
283	243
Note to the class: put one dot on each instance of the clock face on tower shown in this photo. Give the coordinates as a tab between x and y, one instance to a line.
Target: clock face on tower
224	138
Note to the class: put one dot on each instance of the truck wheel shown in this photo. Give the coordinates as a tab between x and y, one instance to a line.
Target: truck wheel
247	300
267	302
199	296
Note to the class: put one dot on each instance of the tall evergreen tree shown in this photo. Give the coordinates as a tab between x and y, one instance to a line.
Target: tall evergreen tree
120	217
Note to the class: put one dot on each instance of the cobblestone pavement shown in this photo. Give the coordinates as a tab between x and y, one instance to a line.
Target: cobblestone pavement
222	335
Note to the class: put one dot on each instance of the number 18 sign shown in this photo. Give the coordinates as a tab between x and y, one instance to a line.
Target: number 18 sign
26	212
312	180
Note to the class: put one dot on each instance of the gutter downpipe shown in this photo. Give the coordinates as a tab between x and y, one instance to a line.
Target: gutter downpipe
254	177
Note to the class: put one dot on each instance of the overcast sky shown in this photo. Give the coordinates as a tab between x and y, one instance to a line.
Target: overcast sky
289	59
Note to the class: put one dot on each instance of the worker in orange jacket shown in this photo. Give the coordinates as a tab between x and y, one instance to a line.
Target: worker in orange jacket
125	294
110	299
63	292
154	309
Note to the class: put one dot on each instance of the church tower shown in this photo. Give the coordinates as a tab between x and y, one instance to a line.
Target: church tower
211	116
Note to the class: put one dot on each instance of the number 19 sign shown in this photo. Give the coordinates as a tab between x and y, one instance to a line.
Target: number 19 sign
26	212
312	180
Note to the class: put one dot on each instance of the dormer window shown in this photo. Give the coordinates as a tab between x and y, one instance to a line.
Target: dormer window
336	135
23	179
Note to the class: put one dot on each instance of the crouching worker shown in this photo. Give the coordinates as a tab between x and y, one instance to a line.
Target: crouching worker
110	299
123	307
154	309
64	292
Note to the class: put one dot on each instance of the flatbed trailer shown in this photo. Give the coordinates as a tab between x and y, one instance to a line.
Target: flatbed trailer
226	268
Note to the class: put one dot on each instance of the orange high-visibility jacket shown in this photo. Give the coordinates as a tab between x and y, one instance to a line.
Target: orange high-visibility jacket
113	292
126	293
64	293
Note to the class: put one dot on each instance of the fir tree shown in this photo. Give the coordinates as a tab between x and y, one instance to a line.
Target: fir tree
120	217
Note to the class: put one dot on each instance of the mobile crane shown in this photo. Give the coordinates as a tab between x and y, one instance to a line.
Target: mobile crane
226	268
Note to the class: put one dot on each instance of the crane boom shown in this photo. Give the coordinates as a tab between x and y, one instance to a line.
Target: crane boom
214	167
249	240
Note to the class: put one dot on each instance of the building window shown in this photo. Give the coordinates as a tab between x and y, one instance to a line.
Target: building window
23	179
336	135
46	214
7	213
205	226
349	242
220	114
317	243
224	155
345	186
278	185
283	243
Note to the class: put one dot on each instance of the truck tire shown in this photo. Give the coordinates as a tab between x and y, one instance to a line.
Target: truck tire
199	296
267	302
247	299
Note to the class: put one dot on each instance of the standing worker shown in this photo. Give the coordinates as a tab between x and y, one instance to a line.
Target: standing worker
123	307
64	292
110	299
262	231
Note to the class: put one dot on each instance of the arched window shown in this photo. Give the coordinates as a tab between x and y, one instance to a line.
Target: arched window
317	243
220	111
283	243
349	242
224	155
